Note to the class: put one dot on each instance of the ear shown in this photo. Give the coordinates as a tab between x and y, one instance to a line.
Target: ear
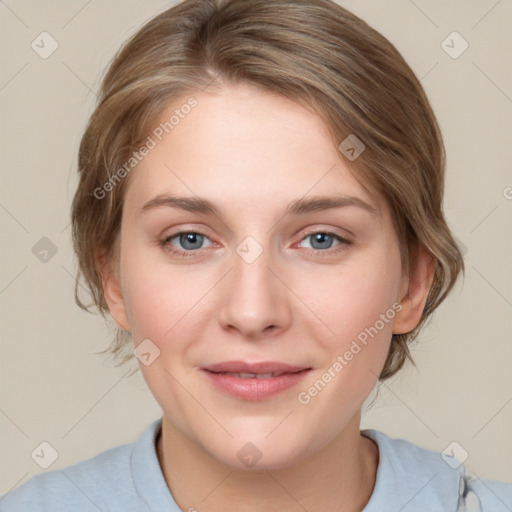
413	293
112	291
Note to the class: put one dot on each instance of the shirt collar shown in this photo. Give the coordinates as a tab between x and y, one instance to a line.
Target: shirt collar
148	478
411	478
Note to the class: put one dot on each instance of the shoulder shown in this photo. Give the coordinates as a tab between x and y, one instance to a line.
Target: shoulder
103	482
414	478
78	487
491	496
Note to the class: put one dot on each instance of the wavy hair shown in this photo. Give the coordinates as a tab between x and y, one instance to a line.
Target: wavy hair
312	51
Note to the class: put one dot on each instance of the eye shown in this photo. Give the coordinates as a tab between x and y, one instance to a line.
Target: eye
321	241
190	241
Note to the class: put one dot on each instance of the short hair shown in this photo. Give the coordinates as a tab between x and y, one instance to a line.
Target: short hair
311	51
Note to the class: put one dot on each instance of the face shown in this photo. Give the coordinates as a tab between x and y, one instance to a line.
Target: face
271	293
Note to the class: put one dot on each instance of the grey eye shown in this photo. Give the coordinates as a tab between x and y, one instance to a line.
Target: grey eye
321	240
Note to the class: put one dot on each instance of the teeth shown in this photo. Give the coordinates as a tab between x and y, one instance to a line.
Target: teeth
242	375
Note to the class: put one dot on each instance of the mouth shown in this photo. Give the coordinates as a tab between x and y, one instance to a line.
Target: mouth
241	375
254	381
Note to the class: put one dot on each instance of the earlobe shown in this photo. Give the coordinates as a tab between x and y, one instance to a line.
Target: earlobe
413	294
113	293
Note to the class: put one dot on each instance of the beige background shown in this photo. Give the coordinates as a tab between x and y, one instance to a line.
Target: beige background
54	388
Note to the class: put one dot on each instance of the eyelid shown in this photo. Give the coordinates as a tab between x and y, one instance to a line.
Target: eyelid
343	243
169	237
308	232
343	239
172	232
326	230
166	245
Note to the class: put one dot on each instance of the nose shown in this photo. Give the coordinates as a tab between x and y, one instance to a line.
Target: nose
256	302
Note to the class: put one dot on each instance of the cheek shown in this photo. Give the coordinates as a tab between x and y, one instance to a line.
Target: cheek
158	305
359	305
168	304
152	298
163	301
361	298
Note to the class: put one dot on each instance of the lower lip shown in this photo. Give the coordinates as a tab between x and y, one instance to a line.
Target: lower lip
255	389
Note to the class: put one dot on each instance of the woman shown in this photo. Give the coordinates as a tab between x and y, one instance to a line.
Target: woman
260	212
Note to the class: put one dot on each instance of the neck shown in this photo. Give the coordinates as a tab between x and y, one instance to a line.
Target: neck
338	478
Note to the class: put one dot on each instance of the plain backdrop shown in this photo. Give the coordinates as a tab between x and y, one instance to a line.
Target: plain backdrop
55	389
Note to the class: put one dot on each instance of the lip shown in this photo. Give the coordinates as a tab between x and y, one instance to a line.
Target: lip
253	388
255	367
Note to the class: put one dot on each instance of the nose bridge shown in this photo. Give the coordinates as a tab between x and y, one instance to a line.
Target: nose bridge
255	300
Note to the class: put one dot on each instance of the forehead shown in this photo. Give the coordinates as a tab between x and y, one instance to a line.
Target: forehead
243	146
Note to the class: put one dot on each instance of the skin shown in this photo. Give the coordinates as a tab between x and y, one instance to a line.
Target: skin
251	153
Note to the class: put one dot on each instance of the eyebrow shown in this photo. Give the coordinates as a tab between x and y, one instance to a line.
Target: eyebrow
296	207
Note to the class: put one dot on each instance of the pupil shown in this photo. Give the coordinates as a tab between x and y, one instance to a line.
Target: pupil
324	239
190	238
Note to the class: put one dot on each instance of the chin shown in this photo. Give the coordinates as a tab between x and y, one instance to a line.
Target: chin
257	453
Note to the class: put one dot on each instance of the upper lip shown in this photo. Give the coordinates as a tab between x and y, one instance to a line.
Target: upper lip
255	367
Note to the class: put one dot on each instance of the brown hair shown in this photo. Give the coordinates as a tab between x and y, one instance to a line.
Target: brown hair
312	51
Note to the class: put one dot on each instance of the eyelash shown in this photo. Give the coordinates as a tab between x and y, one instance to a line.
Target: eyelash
165	243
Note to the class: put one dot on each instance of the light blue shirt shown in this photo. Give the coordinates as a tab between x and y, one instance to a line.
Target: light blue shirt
128	478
